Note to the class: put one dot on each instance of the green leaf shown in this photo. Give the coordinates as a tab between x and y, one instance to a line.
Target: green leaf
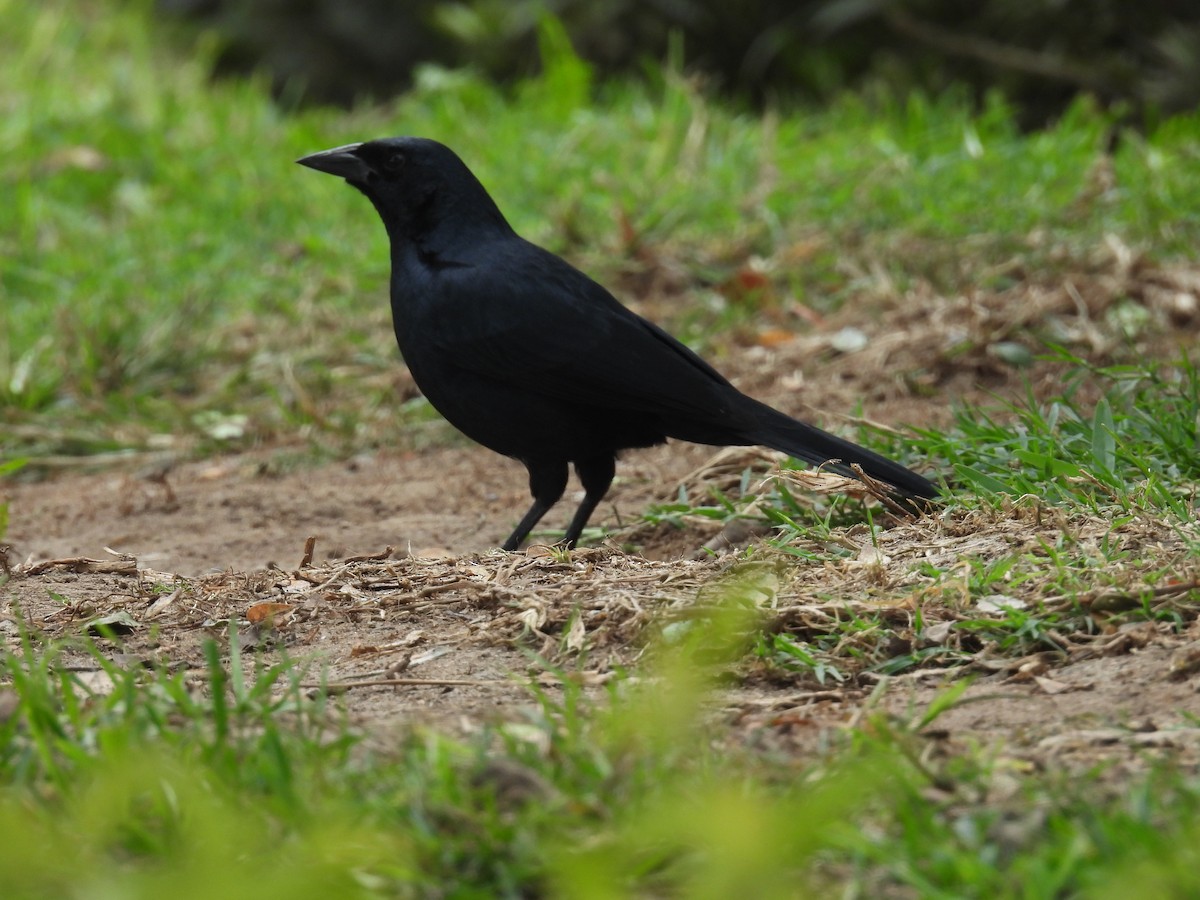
981	482
1048	465
1104	442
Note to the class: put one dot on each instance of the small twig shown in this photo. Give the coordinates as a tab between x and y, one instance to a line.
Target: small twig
385	553
874	425
125	566
304	576
430	589
321	585
903	508
918	675
428	604
404	682
310	545
792	701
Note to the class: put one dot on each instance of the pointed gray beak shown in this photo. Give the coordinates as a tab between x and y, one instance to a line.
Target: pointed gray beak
340	161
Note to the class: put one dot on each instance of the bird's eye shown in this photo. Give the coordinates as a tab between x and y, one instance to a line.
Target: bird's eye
394	163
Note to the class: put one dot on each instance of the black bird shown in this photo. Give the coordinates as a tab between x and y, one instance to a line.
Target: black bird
528	356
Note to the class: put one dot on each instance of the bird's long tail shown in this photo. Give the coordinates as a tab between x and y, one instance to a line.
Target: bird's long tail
811	444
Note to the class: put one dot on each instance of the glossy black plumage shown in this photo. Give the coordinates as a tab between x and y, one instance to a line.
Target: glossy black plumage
528	356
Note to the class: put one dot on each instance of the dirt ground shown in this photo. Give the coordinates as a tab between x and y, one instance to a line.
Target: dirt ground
435	628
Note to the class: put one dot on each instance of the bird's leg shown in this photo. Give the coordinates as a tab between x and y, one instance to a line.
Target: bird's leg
547	481
596	475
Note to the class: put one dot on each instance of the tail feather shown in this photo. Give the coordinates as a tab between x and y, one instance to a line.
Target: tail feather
811	444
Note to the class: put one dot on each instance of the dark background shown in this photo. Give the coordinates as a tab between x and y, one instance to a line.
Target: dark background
1143	56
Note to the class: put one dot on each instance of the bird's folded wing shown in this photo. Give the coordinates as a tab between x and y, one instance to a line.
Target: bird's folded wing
567	337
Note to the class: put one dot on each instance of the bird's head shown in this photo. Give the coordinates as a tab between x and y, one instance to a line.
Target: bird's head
418	185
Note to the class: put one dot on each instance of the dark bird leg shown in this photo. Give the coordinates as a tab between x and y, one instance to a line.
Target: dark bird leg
596	475
547	481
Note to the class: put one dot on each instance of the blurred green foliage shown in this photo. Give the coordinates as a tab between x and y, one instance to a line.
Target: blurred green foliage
1040	53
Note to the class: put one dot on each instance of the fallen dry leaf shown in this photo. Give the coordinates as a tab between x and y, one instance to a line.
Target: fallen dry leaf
266	612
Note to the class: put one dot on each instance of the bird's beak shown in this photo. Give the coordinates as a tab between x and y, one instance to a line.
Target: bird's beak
340	161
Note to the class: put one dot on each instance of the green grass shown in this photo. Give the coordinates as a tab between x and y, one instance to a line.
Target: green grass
1131	451
166	270
1142	431
234	781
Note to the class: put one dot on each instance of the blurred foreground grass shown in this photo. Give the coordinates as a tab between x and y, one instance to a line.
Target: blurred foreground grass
234	780
168	278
